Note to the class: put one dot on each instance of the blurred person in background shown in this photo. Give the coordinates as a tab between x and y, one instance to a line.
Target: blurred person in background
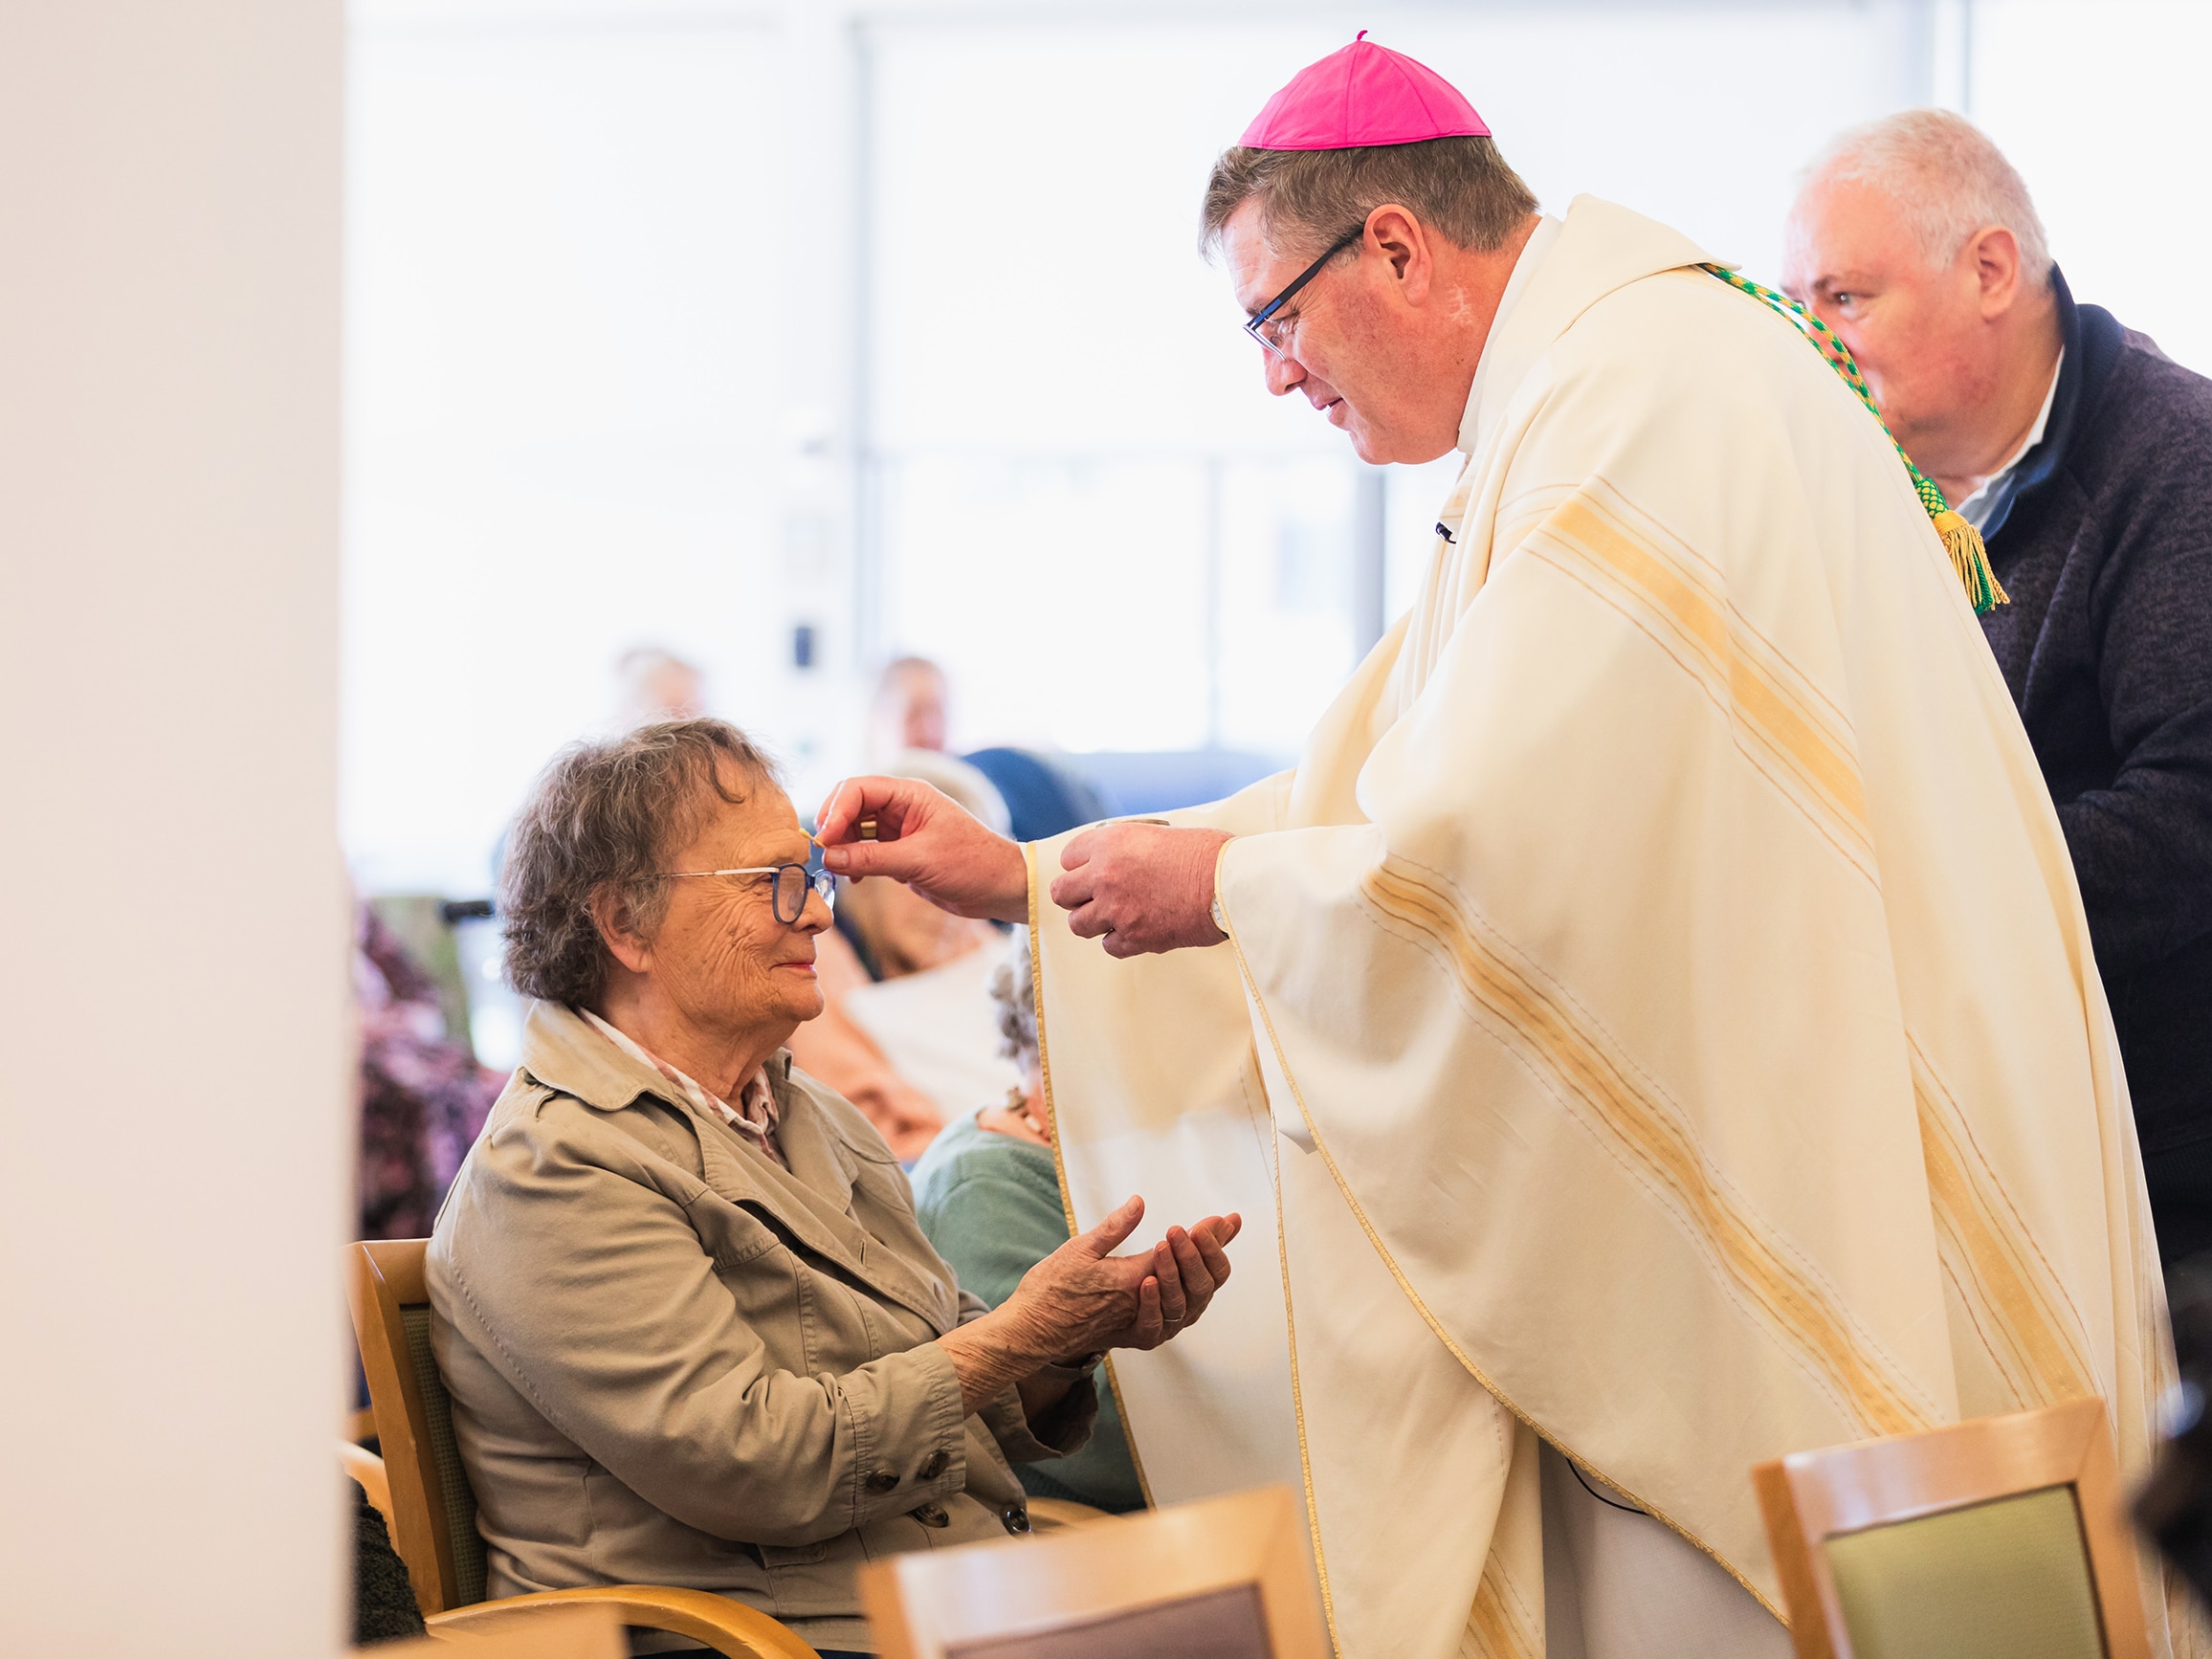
423	1096
908	1034
657	685
1043	795
909	710
989	1195
2084	456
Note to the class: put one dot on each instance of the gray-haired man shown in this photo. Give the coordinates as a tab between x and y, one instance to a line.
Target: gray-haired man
2084	456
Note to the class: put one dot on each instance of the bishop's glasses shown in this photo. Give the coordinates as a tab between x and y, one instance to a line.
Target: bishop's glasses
1273	331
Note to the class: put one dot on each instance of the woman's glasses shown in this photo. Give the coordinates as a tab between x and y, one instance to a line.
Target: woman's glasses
788	890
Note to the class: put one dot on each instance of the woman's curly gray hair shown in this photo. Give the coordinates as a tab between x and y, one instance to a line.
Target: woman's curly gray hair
1013	994
603	815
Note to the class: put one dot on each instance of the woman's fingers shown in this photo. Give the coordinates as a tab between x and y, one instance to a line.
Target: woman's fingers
1217	1265
1175	1309
1108	1235
1138	1300
1149	1328
1210	1239
1198	1279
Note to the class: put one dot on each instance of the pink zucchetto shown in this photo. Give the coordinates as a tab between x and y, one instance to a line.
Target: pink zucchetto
1363	94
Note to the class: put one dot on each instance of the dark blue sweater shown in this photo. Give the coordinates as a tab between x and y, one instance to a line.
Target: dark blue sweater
2105	548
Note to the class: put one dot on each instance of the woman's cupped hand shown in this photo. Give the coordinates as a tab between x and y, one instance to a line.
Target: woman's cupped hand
1083	1298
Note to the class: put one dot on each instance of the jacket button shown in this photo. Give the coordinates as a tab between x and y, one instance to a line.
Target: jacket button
1016	1517
933	1515
933	1465
882	1480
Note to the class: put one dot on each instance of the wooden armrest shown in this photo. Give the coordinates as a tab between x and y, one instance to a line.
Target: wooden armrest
569	1632
367	1471
1049	1514
724	1626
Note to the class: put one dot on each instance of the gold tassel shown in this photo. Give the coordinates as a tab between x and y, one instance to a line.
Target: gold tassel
1970	558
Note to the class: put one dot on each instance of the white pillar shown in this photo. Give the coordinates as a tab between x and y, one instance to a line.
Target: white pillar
174	1137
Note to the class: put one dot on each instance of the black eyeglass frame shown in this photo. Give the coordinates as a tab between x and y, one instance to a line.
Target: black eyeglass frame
1259	319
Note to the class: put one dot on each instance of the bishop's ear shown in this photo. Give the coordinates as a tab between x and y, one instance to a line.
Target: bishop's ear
1404	243
614	914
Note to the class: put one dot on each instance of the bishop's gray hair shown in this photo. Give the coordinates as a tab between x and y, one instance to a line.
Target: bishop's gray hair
1948	180
1461	186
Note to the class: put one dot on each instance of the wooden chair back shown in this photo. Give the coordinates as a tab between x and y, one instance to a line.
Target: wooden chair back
433	1509
2000	1537
1227	1579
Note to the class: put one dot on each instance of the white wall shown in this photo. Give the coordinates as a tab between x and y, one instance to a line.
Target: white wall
2102	110
563	395
173	1120
692	319
1068	419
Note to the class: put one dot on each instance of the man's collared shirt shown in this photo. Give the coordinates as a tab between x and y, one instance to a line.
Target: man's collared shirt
1979	508
755	1115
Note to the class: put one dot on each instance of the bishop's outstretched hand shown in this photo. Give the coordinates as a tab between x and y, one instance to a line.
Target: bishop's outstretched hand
902	829
1138	887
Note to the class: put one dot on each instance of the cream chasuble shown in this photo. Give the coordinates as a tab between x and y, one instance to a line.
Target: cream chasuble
1658	1016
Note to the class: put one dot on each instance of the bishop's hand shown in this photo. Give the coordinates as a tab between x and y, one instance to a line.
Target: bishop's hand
1140	887
902	829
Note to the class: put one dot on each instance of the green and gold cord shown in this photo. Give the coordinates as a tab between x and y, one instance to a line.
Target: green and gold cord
1961	540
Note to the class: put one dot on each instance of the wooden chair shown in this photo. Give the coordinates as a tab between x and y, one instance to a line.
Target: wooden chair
1050	1515
367	1471
434	1510
1226	1579
1999	1539
563	1633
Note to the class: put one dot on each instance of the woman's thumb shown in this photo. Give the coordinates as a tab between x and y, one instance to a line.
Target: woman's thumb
1106	1236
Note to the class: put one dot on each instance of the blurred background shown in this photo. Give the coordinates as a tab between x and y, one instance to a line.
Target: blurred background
785	340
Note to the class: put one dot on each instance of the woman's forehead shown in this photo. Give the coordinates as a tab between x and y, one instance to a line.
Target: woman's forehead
762	822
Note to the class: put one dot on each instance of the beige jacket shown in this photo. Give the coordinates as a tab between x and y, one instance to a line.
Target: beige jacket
672	1362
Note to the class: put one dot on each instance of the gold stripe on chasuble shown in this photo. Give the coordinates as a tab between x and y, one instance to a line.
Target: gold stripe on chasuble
1499	1625
1059	1157
1795	738
1539	1023
2029	1328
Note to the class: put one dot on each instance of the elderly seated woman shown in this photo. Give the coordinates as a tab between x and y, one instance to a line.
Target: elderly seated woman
694	1333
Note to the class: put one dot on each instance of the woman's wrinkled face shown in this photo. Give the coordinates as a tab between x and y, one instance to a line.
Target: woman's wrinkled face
719	957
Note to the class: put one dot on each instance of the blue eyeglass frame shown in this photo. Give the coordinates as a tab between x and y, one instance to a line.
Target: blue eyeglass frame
1259	319
822	881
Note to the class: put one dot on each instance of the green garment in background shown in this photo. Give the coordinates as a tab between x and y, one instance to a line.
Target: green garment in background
991	1205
